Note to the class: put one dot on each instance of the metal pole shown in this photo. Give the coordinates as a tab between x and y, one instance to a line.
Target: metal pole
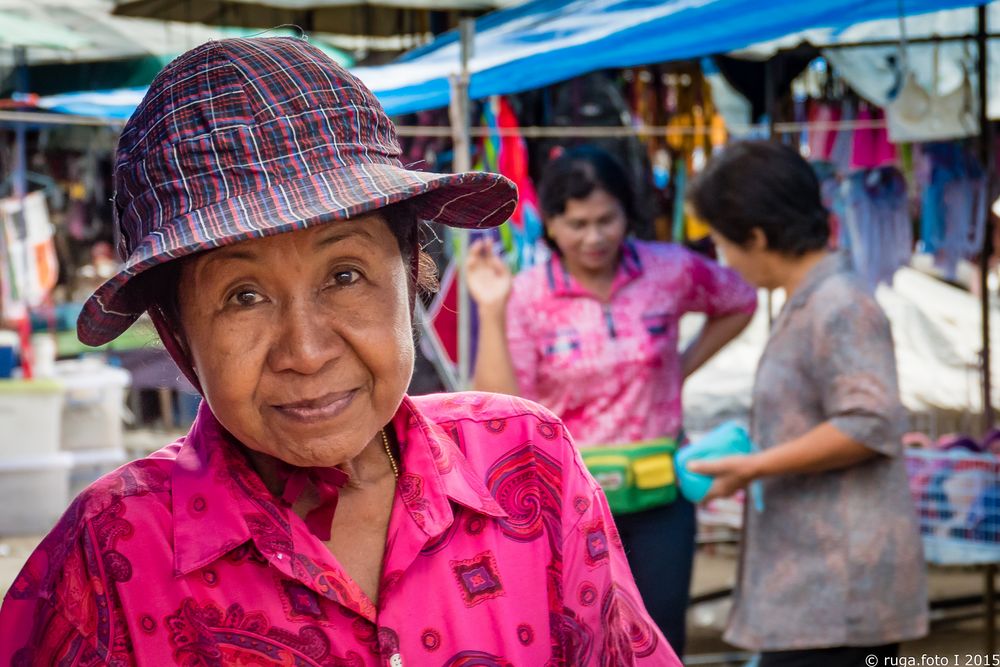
20	130
986	157
460	125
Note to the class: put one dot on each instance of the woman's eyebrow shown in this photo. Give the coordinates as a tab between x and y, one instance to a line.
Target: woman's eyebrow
338	235
224	254
251	255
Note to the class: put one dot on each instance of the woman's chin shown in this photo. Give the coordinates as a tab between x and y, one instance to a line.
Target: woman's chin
313	452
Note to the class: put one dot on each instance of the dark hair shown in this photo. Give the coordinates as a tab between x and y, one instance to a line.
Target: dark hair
161	284
576	174
765	185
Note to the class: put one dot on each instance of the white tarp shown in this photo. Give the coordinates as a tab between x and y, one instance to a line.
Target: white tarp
937	333
874	71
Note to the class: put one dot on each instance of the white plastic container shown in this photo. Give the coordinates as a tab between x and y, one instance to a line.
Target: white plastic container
43	355
93	406
89	465
34	493
30	418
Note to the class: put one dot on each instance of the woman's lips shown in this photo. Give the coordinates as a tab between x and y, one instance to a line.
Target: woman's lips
595	255
323	408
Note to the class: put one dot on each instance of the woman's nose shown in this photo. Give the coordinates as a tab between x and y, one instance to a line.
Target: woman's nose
304	341
592	235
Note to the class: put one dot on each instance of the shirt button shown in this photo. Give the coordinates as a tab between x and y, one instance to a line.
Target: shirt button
396	660
279	555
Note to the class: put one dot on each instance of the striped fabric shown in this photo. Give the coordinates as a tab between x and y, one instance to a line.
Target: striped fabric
245	138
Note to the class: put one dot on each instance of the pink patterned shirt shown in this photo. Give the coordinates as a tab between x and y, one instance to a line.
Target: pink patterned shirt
611	371
501	551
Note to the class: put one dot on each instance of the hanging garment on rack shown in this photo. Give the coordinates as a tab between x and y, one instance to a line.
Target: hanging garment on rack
870	146
953	219
507	154
33	268
843	143
822	136
876	223
917	114
829	188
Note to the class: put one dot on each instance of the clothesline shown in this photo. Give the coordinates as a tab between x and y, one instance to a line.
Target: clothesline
529	132
618	132
48	118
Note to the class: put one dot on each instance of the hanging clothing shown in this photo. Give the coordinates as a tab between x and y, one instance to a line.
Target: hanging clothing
836	558
953	221
611	371
500	550
870	145
873	209
822	136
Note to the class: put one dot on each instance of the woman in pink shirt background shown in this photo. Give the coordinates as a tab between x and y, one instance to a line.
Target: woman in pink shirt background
314	514
593	335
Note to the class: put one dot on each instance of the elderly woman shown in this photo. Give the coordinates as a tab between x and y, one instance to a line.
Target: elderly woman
314	514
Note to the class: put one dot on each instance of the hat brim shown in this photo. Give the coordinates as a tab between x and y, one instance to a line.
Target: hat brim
473	200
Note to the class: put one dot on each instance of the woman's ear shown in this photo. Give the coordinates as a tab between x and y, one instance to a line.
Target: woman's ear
757	241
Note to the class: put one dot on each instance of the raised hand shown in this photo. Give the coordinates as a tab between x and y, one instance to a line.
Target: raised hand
488	278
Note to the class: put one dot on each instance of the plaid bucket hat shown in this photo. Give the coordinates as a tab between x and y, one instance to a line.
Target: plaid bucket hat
245	138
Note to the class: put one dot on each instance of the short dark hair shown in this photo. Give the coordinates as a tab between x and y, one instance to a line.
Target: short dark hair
576	174
161	284
765	185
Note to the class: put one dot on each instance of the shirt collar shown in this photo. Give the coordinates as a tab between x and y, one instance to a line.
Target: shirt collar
561	283
436	471
209	480
215	488
833	264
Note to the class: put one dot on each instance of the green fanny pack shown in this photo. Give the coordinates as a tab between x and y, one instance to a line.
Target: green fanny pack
635	477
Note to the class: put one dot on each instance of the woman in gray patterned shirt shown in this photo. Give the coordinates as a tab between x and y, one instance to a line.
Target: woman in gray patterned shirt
832	570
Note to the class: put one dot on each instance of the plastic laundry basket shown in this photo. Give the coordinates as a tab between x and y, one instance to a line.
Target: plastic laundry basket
957	494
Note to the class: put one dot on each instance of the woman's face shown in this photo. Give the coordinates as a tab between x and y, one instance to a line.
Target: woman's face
302	341
751	261
590	232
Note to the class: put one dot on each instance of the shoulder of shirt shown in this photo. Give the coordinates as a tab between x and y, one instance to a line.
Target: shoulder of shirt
533	281
842	293
527	423
513	418
842	300
481	407
658	252
145	481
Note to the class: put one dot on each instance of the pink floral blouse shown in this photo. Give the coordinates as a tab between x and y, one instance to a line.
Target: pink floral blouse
501	551
611	371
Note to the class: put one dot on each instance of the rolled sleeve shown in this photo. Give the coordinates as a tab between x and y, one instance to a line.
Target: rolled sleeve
857	375
716	290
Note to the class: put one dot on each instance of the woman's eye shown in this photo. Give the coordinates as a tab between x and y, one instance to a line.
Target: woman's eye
346	277
246	297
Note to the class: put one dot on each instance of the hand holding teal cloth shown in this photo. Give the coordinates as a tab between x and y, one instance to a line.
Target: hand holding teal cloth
728	439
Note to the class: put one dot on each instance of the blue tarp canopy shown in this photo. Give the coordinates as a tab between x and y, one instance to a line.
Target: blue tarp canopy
546	41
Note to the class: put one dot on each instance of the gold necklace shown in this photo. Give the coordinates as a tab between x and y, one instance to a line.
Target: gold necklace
388	452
